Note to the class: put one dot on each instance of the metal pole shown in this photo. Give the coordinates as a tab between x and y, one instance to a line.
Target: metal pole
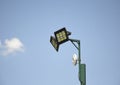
81	67
79	58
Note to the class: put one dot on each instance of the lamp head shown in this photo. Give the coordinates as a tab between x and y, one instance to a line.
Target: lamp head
54	43
74	59
62	35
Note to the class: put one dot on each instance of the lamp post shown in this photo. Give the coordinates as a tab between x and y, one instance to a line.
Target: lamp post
82	67
62	36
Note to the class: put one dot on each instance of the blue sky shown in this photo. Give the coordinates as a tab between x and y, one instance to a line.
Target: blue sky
96	23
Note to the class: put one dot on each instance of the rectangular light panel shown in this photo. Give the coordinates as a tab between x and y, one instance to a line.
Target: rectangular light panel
61	36
54	43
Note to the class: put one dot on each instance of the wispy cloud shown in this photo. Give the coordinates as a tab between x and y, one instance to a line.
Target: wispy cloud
11	46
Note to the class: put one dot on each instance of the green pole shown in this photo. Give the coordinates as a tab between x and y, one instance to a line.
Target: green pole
81	67
79	58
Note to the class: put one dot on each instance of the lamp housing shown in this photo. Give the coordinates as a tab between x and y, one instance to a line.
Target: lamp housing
74	59
62	35
54	43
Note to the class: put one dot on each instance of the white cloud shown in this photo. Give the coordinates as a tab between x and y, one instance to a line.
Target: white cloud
11	46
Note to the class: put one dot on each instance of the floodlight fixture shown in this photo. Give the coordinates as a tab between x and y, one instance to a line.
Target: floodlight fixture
62	35
54	43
